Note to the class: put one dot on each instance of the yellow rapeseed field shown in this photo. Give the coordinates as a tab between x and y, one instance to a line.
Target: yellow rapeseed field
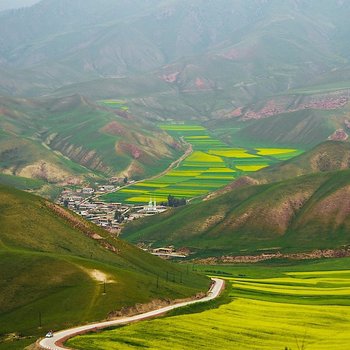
274	151
251	167
272	314
233	153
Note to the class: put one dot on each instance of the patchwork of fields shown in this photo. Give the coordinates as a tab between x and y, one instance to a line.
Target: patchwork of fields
297	310
212	165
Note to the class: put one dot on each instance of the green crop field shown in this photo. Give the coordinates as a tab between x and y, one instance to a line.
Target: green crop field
306	306
114	104
211	165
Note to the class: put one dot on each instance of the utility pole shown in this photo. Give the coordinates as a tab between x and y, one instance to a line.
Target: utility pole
104	287
40	323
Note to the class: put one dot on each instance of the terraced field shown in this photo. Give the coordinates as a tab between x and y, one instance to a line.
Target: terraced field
212	165
114	104
296	310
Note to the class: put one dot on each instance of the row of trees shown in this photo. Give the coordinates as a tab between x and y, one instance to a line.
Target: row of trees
175	202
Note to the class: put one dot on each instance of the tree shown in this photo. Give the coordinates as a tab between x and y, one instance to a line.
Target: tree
176	202
118	216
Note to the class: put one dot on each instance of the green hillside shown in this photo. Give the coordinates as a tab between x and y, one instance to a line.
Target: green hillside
327	156
68	139
56	265
303	128
301	213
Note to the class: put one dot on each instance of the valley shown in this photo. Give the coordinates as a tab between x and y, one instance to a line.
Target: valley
211	165
151	147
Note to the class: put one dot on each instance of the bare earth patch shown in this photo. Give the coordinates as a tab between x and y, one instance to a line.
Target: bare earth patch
99	276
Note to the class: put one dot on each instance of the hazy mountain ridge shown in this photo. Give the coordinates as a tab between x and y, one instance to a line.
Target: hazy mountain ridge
245	48
14	4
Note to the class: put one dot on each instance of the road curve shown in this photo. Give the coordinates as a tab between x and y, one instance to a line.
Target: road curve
56	343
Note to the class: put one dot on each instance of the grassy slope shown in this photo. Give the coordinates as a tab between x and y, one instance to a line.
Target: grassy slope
79	138
303	129
45	268
271	307
297	214
327	156
21	183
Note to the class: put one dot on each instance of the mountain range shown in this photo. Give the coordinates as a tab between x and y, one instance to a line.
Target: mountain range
233	51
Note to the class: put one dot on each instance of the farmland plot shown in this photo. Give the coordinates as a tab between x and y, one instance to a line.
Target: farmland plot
298	310
211	165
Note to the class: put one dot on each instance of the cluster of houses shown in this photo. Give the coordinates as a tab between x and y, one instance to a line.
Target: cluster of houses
85	202
170	252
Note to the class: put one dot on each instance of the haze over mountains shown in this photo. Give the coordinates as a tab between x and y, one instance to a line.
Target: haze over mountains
237	50
14	4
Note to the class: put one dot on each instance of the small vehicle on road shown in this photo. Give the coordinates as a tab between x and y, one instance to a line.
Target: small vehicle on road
49	334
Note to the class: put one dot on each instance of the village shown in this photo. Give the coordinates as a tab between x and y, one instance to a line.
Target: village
86	202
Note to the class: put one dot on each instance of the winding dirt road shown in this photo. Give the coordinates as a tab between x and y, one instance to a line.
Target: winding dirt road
56	343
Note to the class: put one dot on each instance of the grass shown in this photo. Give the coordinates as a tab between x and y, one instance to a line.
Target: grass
302	214
82	139
47	264
212	161
302	129
317	89
275	151
21	182
283	310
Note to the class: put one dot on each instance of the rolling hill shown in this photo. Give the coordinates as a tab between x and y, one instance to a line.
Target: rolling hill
69	139
304	118
55	268
325	157
299	206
